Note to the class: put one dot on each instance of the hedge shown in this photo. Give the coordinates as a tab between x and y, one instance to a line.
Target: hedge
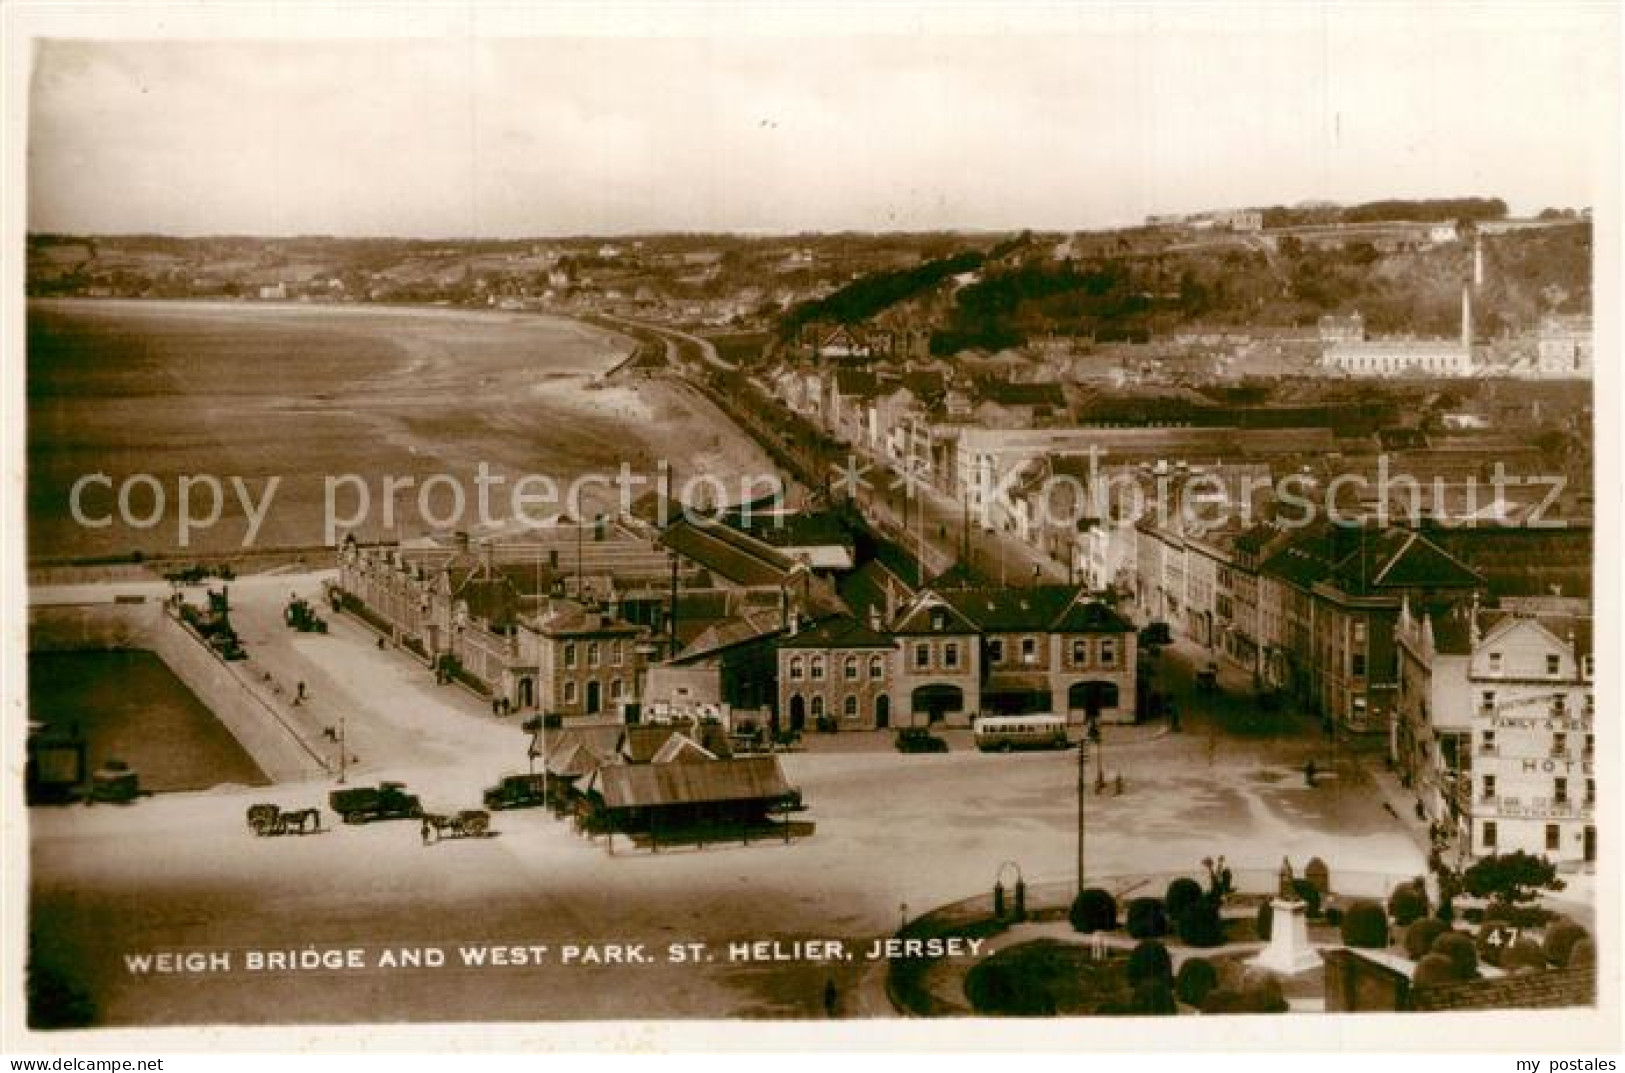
1180	895
1201	925
1264	920
1560	940
1196	977
1408	903
1154	997
1093	909
1149	963
1365	926
1460	950
1434	969
1420	935
1145	919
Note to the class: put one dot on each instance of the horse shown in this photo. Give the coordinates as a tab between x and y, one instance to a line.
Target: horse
296	820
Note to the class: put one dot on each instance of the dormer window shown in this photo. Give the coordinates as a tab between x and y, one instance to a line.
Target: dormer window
939	620
1554	664
1495	663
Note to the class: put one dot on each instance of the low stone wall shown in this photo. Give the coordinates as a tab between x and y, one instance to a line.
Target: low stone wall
267	734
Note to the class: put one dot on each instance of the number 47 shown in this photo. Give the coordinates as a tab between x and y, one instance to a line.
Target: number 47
1502	937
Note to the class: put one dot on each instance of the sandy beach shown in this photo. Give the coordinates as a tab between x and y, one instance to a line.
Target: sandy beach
309	394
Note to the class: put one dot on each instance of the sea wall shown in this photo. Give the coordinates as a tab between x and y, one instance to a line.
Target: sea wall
265	732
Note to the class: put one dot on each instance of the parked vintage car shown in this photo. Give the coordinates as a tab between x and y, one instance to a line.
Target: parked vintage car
516	791
919	740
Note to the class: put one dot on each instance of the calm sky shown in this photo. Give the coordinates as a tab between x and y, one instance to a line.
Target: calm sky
1095	117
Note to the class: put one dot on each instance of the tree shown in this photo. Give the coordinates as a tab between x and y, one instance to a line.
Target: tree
1511	878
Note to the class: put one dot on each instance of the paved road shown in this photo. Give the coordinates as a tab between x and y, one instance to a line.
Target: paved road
892	831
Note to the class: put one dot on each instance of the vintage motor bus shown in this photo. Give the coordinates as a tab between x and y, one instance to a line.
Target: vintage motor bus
1002	733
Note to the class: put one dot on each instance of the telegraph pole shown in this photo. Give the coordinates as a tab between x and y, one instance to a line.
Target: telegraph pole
1083	793
344	751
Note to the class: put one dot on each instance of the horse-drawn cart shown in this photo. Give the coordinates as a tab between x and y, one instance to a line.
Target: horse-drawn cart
265	820
469	823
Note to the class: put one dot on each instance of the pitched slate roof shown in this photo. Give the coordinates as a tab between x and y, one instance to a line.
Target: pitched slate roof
748	778
727	552
1412	561
802	529
1006	393
856	383
839	632
920	615
990	609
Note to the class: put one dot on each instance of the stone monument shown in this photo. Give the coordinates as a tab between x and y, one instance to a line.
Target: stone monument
1289	952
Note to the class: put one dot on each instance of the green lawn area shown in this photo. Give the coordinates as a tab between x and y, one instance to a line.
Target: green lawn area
1046	978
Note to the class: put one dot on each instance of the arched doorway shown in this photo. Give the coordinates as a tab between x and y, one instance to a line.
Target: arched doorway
1091	698
798	712
882	711
936	701
593	699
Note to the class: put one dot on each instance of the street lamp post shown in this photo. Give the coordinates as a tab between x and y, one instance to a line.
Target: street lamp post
344	751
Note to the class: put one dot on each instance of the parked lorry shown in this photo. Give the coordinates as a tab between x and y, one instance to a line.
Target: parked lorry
386	801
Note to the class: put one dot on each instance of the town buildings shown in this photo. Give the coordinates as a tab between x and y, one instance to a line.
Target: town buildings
1563	346
1494	731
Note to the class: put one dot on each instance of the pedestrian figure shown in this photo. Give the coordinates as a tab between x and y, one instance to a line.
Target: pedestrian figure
1309	773
830	998
1117	786
425	831
301	691
380	644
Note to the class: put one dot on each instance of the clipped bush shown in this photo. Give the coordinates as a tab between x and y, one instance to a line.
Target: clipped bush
1149	963
1195	979
1318	874
1420	935
1262	922
1180	895
1093	910
1334	916
1145	919
1459	948
1407	904
1433	969
1560	940
1155	998
1491	942
1365	926
1257	993
1264	995
1583	954
1201	925
1309	895
1525	956
1519	916
1224	1000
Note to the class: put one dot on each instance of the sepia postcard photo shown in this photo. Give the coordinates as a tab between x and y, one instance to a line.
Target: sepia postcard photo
1071	526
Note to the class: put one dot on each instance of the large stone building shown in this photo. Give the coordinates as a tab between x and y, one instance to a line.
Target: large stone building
1563	346
839	670
1047	648
1494	730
